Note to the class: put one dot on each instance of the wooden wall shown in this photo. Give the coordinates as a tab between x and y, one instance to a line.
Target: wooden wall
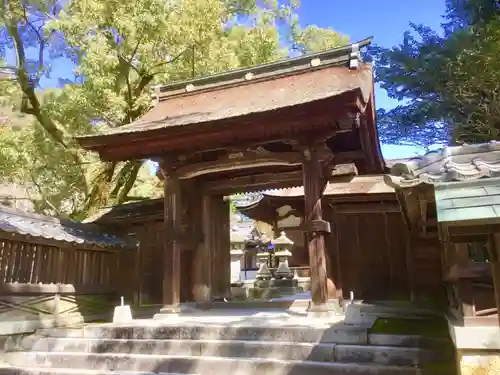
370	253
151	235
205	256
367	254
45	282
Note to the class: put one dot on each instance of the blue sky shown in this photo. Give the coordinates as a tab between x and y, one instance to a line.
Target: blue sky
386	20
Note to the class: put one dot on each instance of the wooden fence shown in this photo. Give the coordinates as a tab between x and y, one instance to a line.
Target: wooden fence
43	283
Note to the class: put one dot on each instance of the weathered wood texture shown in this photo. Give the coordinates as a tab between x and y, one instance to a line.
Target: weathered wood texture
316	230
369	253
217	245
149	270
173	243
42	285
26	263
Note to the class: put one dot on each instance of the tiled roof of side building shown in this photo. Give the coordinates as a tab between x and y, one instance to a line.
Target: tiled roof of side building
19	222
458	163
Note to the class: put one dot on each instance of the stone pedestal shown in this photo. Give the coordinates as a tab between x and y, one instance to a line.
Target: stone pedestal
330	310
282	243
263	273
167	312
236	256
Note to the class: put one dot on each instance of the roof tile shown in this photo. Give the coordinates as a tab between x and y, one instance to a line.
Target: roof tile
25	223
460	163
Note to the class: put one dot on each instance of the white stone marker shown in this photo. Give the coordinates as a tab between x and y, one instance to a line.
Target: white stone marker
123	313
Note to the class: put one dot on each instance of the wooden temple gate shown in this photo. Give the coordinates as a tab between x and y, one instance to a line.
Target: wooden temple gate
277	125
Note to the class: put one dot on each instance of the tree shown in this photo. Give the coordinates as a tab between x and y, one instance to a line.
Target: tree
120	48
448	82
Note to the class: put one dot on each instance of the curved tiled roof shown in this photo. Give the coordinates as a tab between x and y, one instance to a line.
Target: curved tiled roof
20	222
460	163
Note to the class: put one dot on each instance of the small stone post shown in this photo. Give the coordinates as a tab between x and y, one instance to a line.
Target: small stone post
282	244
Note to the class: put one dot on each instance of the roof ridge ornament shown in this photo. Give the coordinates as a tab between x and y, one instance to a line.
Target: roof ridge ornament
355	56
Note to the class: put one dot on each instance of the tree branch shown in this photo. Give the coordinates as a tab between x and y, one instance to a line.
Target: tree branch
129	183
44	197
28	89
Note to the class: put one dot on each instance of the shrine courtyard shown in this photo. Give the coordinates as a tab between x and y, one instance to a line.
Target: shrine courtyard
360	265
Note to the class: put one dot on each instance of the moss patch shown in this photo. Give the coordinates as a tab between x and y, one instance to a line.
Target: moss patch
435	327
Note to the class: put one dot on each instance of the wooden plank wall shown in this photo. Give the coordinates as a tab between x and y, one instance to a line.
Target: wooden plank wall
151	235
366	254
24	262
425	256
43	283
369	253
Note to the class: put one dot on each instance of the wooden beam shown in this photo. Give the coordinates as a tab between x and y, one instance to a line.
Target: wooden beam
253	183
240	160
364	208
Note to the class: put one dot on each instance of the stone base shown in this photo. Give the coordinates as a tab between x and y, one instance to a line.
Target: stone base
272	292
331	309
287	283
239	293
168	311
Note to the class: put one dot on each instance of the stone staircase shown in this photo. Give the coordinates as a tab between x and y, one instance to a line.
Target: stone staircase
244	348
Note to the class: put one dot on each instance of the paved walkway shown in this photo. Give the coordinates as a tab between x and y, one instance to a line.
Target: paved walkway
238	317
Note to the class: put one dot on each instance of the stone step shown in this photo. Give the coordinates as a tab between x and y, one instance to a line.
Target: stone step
356	335
11	370
412	341
197	365
214	348
337	334
240	349
387	355
402	311
364	314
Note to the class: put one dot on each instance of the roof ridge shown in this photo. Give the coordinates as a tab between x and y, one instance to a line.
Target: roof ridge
28	214
267	71
75	225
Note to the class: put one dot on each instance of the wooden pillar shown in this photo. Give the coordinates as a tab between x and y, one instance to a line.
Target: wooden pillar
315	225
494	250
464	285
332	259
172	250
202	262
221	248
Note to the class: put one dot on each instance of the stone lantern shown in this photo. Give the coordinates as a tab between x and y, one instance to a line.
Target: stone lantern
282	244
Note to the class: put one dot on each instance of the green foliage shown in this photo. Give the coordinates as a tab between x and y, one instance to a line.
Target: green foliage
120	48
448	83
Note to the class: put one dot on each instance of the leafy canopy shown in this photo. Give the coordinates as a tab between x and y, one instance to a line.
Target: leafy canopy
447	81
119	48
